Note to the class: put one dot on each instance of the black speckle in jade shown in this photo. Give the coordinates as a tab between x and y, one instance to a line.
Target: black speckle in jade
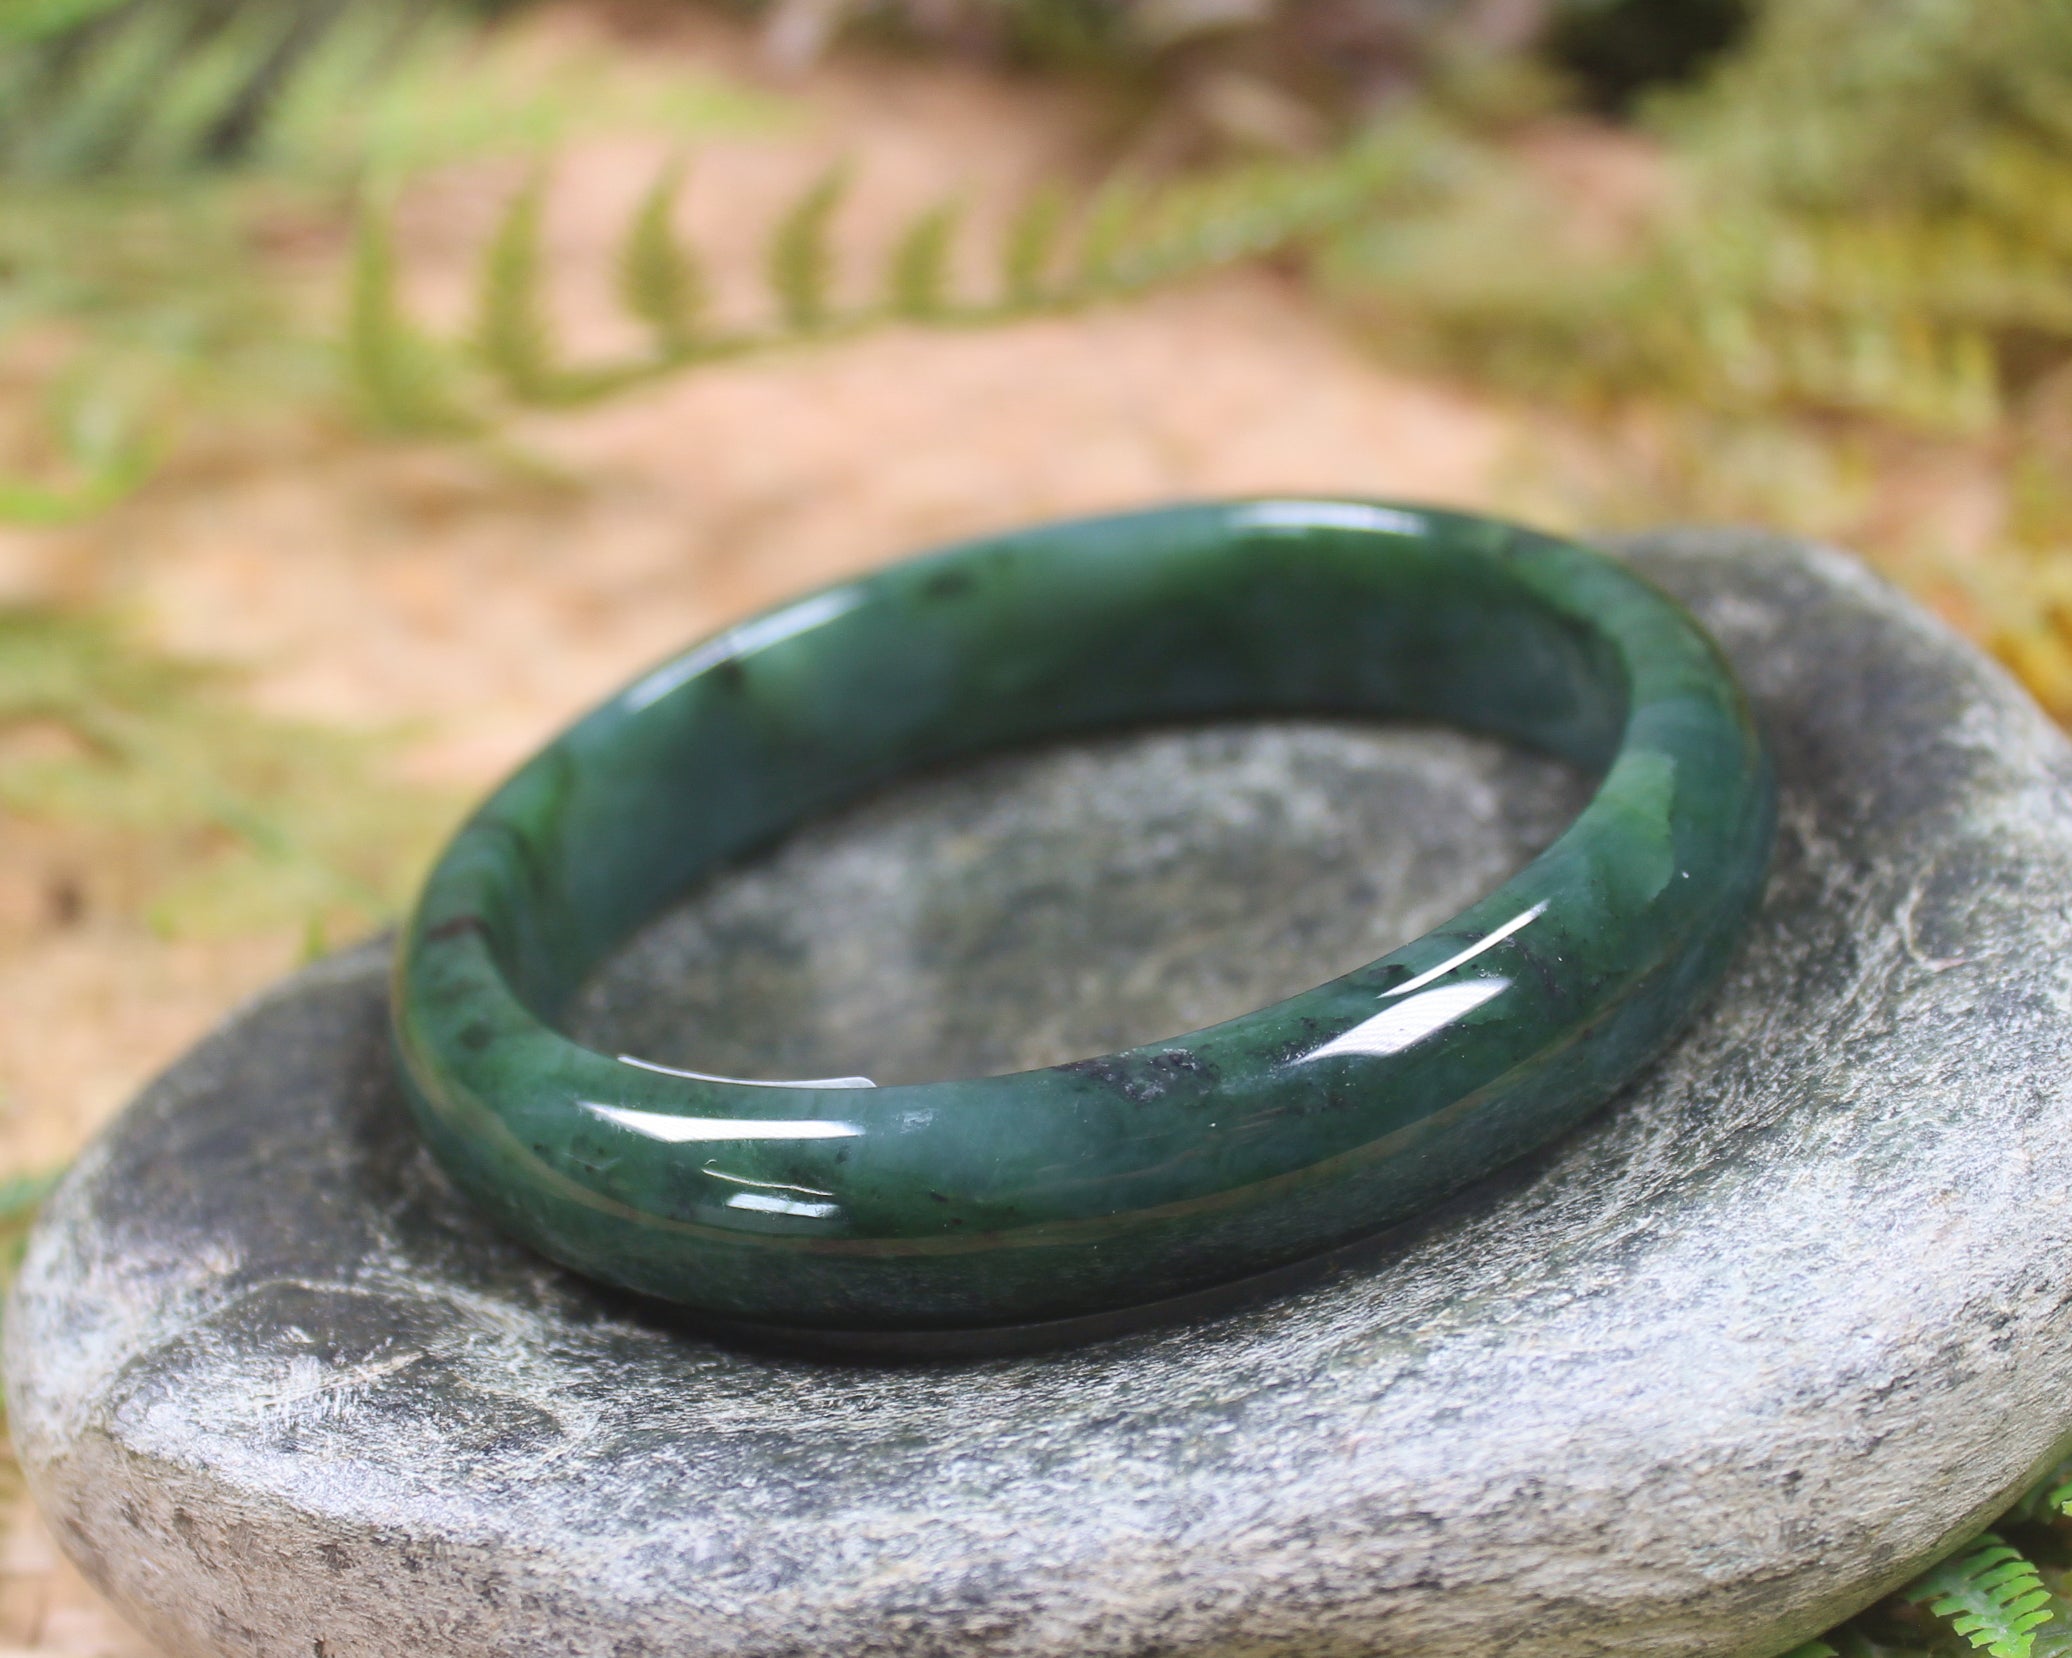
1130	1178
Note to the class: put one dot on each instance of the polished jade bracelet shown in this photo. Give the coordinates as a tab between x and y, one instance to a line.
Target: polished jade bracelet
1161	1171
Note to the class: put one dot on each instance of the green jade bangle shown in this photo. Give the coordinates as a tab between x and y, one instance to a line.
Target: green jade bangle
1159	1172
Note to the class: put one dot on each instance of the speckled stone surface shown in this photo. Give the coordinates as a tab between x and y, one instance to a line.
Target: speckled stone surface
1788	1318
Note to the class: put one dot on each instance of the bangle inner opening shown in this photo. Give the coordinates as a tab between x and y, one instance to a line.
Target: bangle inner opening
1074	898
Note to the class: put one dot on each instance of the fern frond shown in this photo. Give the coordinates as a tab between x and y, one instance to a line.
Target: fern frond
1248	213
1133	239
660	279
801	263
207	87
1114	215
1030	249
398	378
2054	1497
108	449
90	88
362	45
25	20
918	281
1990	1594
2045	1497
512	333
85	114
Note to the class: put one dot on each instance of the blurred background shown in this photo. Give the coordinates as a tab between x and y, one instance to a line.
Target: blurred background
380	383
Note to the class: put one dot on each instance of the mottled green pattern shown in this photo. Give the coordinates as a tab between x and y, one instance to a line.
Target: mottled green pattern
1168	1168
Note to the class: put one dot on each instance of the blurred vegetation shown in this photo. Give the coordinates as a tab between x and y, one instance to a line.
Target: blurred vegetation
185	806
1862	241
1855	255
1126	237
178	181
307	92
174	173
1275	74
1853	246
157	157
1850	249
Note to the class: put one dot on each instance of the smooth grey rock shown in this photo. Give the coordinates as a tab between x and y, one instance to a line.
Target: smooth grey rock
1026	912
1787	1319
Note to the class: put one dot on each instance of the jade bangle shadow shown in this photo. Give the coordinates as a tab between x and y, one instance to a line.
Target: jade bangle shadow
1135	1176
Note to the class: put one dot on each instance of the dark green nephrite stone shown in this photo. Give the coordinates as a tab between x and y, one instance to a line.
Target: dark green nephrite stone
1156	1172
